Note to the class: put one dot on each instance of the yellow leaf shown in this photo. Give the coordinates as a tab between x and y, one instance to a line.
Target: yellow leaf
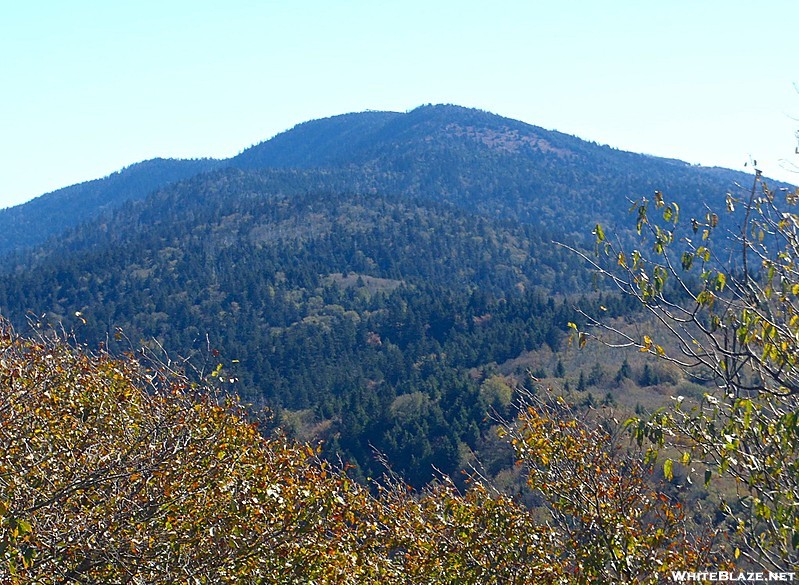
667	469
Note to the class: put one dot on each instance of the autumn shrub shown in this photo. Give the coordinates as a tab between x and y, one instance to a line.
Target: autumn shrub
114	472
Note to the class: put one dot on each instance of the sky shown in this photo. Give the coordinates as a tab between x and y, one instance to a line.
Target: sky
89	87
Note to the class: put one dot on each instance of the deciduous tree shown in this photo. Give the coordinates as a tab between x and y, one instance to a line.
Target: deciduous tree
723	290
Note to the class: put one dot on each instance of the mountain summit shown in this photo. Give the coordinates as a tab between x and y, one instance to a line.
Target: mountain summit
466	157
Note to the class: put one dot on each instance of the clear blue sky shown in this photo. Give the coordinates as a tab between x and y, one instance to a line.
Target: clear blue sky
91	86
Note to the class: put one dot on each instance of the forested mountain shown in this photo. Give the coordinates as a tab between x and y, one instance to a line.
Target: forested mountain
495	165
362	275
467	157
366	311
33	222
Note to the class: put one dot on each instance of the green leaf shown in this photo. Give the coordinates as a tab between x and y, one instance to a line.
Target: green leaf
668	464
600	235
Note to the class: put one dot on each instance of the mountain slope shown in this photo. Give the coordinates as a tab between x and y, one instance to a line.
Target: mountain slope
331	141
31	223
495	165
470	158
334	303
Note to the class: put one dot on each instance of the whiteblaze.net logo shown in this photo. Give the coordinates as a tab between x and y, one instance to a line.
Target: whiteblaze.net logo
730	577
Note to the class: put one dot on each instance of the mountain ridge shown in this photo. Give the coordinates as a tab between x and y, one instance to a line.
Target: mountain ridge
32	223
537	163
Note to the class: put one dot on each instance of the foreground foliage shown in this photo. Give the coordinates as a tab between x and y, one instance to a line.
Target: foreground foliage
724	289
112	472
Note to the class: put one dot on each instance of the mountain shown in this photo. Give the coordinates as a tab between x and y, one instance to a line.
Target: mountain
470	158
364	275
31	223
495	165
